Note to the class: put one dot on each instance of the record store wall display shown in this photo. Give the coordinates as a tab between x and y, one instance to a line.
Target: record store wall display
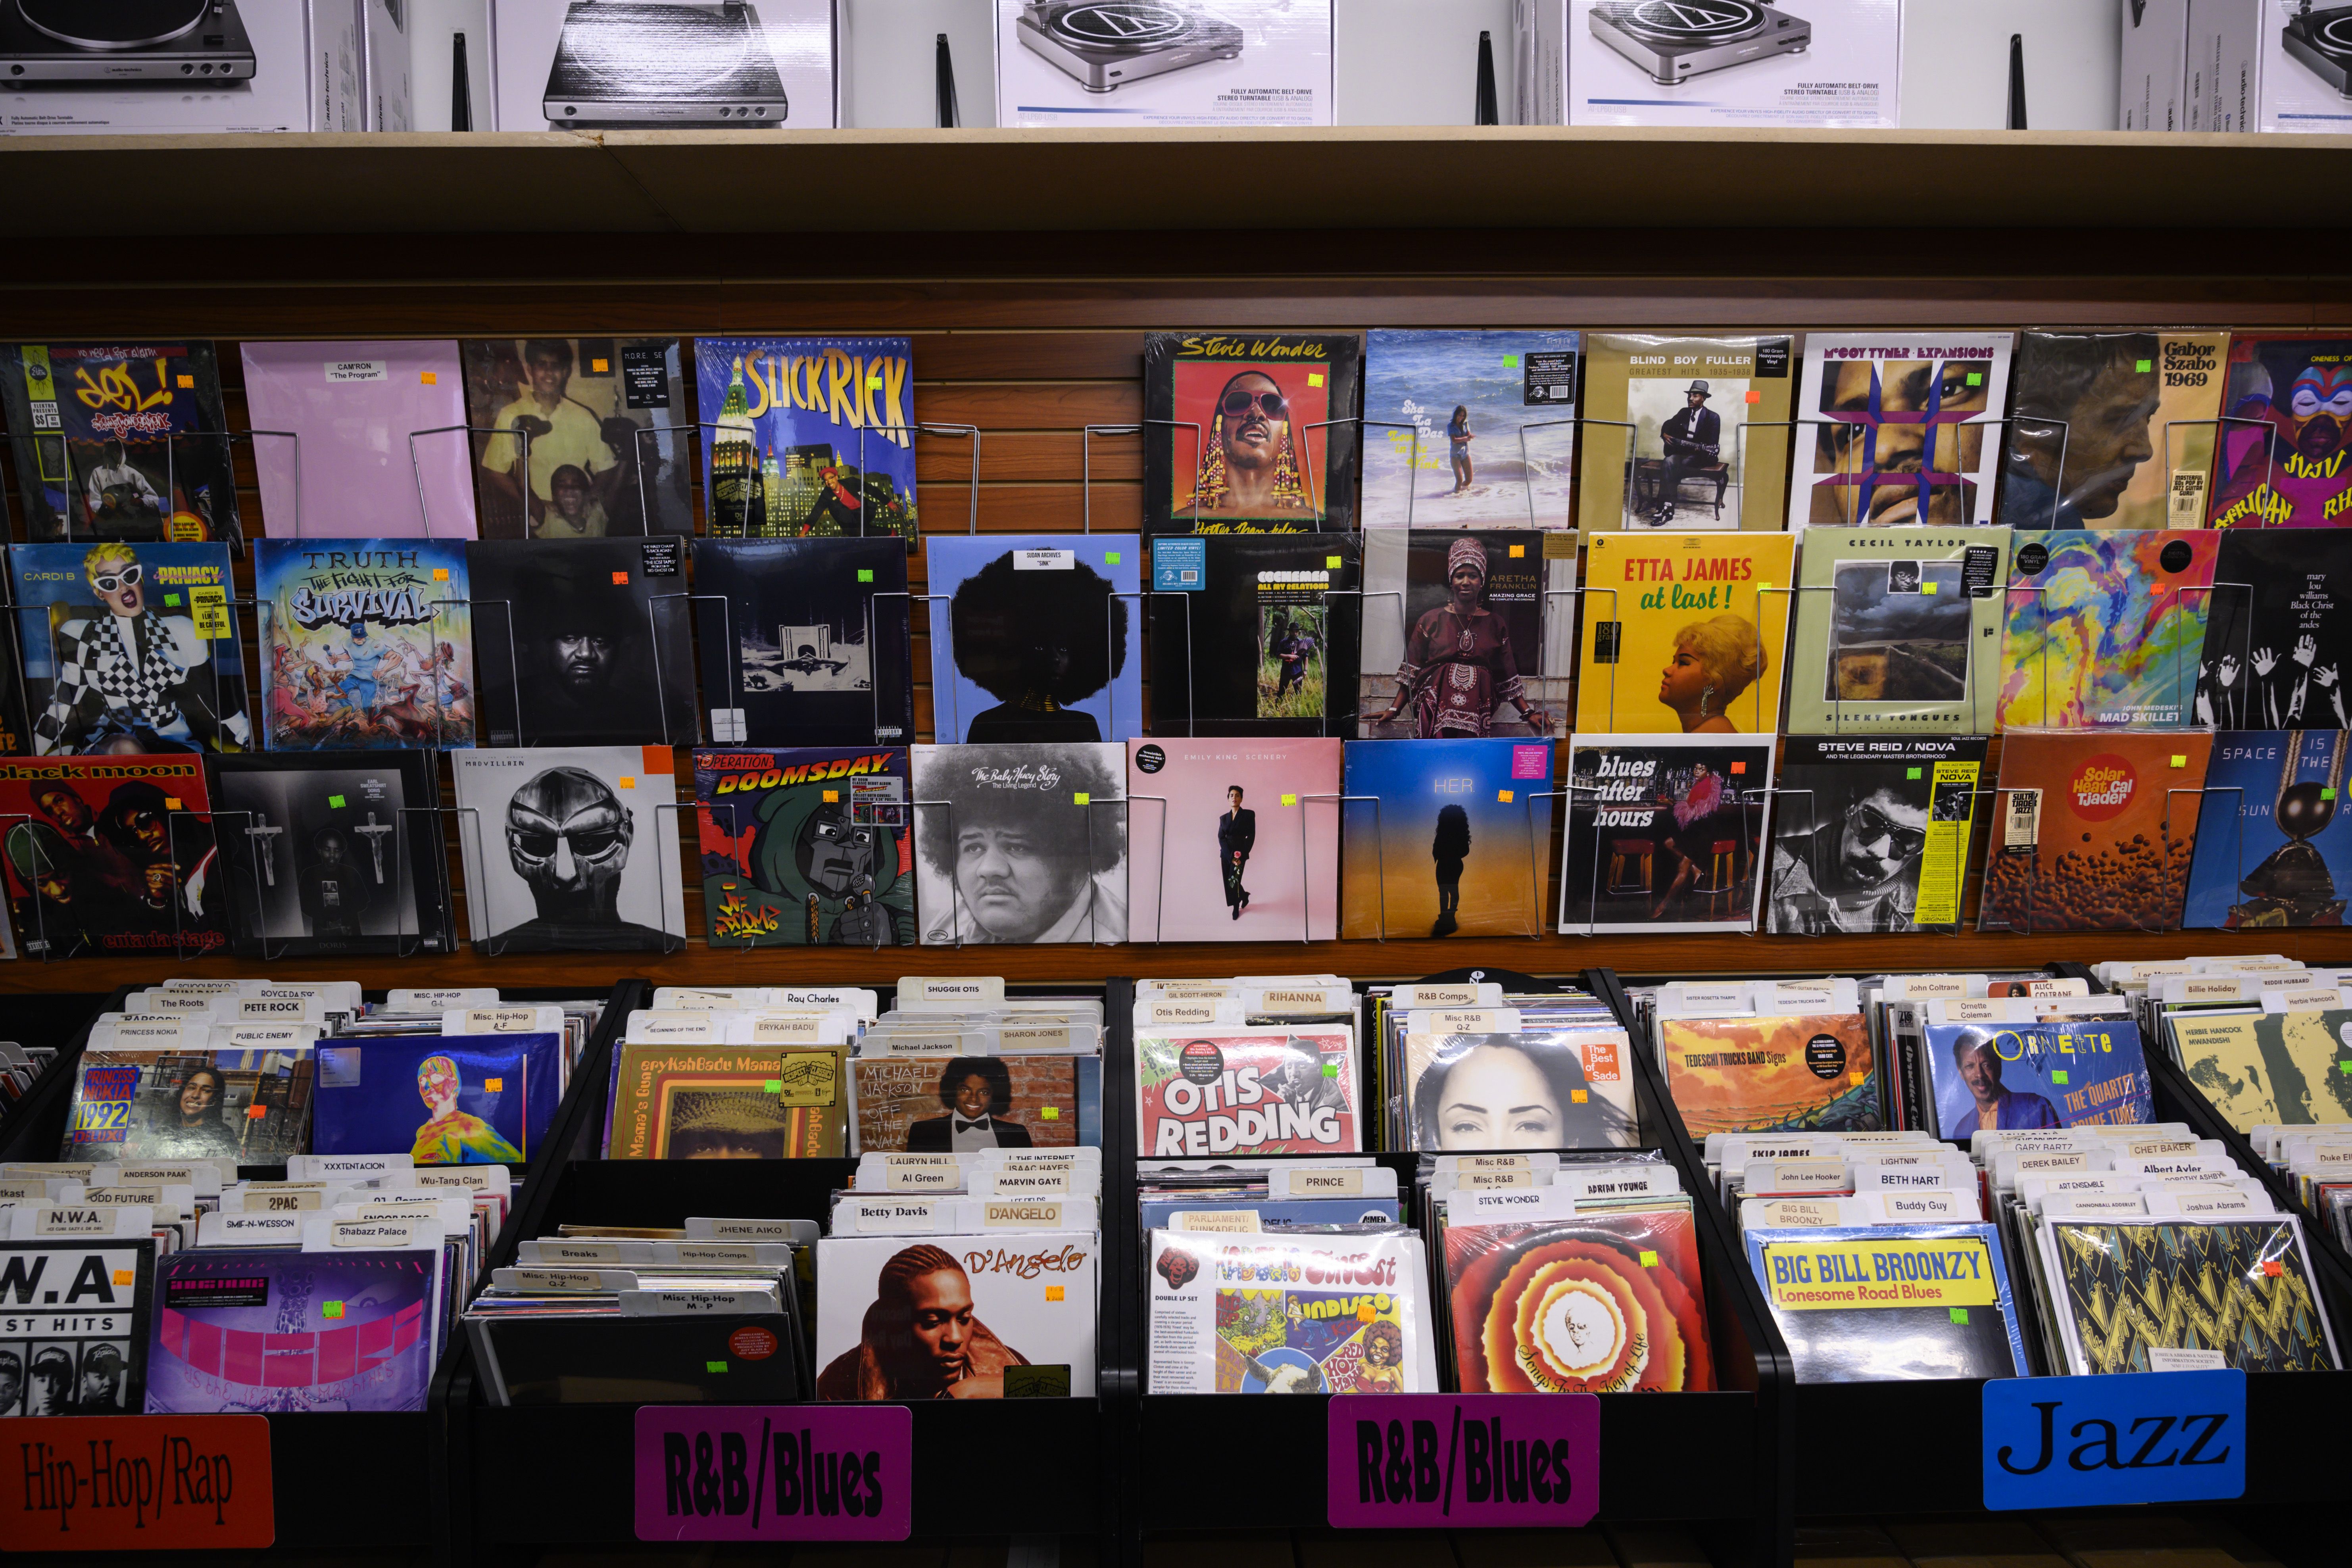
805	641
365	644
2270	850
571	849
1021	844
2094	832
1469	427
1898	631
1899	430
581	641
1450	841
1261	639
130	645
115	441
1682	403
1243	62
807	435
100	861
1037	637
2287	467
1665	833
1249	434
1693	608
2106	628
2130	417
326	854
805	845
2278	637
608	428
352	409
1455	638
561	64
1233	840
1873	835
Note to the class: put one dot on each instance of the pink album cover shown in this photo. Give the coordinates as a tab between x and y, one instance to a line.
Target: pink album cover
1228	840
353	408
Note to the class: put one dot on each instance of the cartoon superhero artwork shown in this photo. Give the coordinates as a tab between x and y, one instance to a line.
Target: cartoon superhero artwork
805	847
365	644
563	849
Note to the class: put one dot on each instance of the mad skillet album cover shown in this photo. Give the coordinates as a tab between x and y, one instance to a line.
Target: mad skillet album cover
2106	628
1249	432
120	441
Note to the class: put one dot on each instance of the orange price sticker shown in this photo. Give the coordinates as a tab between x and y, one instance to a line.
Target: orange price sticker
139	1483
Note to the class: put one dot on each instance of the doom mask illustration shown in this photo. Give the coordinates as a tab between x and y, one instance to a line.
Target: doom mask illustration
568	836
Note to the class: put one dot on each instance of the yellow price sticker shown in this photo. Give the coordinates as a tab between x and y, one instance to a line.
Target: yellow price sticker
1504	796
1290	800
1082	798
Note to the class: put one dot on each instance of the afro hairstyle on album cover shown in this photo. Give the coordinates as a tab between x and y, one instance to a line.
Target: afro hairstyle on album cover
1048	816
998	613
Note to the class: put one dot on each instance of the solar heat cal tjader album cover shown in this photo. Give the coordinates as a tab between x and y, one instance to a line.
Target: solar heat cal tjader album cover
2094	832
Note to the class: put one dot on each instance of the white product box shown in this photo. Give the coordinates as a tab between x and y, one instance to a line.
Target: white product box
2153	76
1234	62
261	65
2225	63
576	64
1728	62
1415	62
1956	63
385	49
2306	67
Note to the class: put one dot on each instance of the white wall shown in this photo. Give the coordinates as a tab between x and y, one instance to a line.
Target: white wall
1956	63
1415	62
889	52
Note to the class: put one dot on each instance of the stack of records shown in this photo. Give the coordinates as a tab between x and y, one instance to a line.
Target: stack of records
1248	1066
1464	1068
1767	1055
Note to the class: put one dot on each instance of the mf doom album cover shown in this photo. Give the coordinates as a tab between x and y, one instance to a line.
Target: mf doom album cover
570	849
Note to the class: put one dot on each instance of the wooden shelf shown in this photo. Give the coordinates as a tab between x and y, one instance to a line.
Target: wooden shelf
1445	178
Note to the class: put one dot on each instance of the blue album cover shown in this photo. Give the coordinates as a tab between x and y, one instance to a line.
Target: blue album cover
2271	848
447	1099
365	643
810	436
1483	419
1441	837
2014	1078
243	1331
1037	637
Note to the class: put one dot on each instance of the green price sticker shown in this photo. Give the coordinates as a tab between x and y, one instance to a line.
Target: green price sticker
1914	772
1976	378
172	601
1960	1314
1111	556
2059	1076
331	1309
1331	1070
1510	362
864	574
773	1086
2142	367
714	1366
335	802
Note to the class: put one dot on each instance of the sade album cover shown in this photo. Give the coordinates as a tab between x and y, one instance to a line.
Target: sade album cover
2106	628
1257	635
1233	840
1249	432
1898	430
1445	838
2283	461
328	854
1469	426
807	437
581	641
805	847
805	641
1873	835
607	427
129	647
1021	844
2269	849
120	441
1455	633
111	855
1670	411
379	446
571	849
2113	429
366	643
2093	831
1665	833
1037	637
1692	610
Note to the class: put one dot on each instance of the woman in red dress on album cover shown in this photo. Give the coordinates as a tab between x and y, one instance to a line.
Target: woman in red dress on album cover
1458	664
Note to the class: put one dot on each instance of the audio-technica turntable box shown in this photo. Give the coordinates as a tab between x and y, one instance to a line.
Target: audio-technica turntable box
651	65
2306	66
1163	62
77	67
1722	62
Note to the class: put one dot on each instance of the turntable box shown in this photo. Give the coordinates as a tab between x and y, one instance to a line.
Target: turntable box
2306	82
619	64
2230	42
2154	70
1164	62
1727	63
303	73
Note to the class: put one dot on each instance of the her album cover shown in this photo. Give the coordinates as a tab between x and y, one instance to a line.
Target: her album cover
805	641
1037	637
1900	430
2106	628
366	643
1262	639
1429	822
2113	429
607	427
378	445
329	855
807	437
805	847
956	1317
570	849
120	441
445	1099
112	854
1233	840
1692	608
1249	432
1670	442
2270	850
581	641
1455	635
129	647
1665	833
1469	426
1021	844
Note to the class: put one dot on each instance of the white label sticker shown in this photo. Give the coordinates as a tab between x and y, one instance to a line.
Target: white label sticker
1045	560
340	371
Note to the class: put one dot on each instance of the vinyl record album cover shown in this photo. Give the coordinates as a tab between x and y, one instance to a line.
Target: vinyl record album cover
581	641
2263	1069
1264	639
1469	426
1340	1312
129	647
331	855
365	644
809	646
1898	632
807	435
446	1099
1666	447
1233	840
2105	629
2278	638
1692	608
1594	1303
571	849
1891	1303
2239	1286
2270	850
131	1105
728	1102
1260	1091
119	441
1021	844
2283	461
1249	432
2092	832
607	427
1899	430
1665	833
1541	1088
1873	835
805	847
1455	635
2113	429
1429	822
937	1105
111	855
1018	1309
2017	1076
380	448
1035	636
243	1330
1813	1073
77	1344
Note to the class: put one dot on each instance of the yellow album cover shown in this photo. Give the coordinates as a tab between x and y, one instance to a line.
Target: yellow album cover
1685	633
1684	432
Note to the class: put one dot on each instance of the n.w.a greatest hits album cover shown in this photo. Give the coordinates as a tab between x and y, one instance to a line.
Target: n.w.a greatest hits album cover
805	845
1233	840
1447	843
